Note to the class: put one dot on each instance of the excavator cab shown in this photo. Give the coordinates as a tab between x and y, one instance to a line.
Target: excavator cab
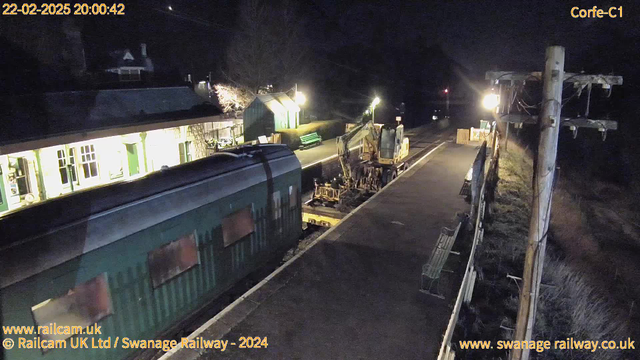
393	145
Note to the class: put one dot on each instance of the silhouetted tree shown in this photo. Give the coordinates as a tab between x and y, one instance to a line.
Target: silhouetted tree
269	47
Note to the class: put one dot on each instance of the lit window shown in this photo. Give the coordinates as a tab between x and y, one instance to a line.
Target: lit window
67	167
185	152
88	161
62	166
19	176
237	225
82	306
173	259
130	75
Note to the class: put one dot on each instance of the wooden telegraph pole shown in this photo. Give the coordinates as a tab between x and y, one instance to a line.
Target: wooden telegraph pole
542	191
549	122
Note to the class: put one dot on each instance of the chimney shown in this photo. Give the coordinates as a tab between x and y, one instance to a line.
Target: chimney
143	49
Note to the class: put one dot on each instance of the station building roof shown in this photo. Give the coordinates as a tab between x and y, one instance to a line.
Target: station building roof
278	102
46	119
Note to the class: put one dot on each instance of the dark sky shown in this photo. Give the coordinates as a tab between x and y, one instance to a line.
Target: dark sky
477	34
481	34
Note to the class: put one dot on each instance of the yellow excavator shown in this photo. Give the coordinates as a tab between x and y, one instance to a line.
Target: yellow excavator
383	154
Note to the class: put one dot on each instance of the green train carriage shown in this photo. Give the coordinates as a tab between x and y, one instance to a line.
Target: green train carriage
138	257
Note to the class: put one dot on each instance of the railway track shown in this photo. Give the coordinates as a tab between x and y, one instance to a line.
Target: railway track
421	141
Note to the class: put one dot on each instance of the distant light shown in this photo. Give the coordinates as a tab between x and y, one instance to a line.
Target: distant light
446	91
170	8
375	102
300	98
491	101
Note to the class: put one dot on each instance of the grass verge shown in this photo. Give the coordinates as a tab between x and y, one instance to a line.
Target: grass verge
571	304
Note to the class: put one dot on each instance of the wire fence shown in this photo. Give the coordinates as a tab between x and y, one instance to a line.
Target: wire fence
482	192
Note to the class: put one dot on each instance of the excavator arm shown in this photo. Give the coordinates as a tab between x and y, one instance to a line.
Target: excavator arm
363	131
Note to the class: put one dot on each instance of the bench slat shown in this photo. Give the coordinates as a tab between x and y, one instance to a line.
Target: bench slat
310	139
438	258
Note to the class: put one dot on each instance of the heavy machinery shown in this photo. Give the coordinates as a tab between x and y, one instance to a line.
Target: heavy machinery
384	150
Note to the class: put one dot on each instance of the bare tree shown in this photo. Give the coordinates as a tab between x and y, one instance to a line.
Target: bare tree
269	47
233	98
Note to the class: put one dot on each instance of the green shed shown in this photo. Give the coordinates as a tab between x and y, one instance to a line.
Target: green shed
270	113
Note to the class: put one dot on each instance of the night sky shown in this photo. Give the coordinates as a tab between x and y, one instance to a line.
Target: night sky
358	48
479	35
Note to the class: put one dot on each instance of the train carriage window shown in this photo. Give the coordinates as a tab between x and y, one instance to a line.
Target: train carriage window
237	225
172	259
293	196
276	207
82	306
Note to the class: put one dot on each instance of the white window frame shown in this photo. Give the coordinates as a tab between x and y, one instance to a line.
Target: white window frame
87	157
68	160
186	148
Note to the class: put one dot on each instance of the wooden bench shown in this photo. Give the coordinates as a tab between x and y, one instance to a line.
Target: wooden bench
432	269
310	140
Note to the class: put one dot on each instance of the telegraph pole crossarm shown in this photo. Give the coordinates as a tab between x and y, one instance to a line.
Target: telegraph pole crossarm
568	77
565	121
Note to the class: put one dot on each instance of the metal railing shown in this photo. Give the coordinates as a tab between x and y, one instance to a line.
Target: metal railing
478	211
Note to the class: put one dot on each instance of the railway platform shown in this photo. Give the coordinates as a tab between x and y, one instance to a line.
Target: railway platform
354	293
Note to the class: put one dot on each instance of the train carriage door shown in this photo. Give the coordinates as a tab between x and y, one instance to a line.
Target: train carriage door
3	197
132	157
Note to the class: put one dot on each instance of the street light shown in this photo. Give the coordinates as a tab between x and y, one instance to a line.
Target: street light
491	101
446	91
300	98
375	103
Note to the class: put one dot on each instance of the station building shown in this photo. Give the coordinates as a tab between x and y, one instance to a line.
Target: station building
52	144
268	114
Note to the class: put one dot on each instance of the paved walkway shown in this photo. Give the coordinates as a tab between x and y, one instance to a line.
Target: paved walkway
354	293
